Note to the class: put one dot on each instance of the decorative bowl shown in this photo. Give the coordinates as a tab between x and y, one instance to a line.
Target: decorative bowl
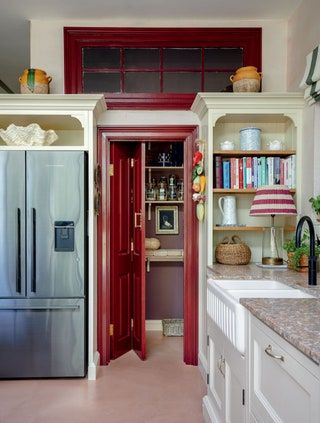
28	135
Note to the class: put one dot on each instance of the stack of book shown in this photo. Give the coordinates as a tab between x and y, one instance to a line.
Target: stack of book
254	172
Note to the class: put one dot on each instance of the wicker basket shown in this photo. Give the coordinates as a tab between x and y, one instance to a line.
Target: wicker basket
232	251
172	327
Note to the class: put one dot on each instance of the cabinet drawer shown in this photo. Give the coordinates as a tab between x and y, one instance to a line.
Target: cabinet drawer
281	389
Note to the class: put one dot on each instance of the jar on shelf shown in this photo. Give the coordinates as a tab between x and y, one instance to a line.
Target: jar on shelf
150	192
180	190
162	192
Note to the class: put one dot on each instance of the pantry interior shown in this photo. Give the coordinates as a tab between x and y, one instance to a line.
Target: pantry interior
144	202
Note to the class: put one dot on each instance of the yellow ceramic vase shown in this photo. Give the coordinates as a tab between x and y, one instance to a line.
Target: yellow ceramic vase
34	81
246	72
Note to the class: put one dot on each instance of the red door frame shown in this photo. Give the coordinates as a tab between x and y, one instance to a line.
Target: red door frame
186	134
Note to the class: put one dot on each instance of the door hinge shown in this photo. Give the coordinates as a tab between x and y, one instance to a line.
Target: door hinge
208	378
208	340
111	329
110	169
132	162
243	397
131	323
131	246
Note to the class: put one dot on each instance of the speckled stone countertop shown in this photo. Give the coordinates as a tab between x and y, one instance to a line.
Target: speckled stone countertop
296	320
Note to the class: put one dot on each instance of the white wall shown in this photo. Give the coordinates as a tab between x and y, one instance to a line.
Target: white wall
303	37
46	51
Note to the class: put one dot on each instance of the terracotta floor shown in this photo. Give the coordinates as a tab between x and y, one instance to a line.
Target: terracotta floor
160	390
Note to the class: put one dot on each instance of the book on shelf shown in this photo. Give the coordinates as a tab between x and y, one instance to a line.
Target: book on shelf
218	171
226	173
254	172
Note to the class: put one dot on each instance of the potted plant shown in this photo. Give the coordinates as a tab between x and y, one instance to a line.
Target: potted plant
315	204
298	256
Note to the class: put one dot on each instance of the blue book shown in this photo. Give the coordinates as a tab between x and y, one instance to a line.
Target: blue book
259	172
226	173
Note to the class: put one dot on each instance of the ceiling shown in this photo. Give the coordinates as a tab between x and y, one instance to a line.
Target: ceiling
15	17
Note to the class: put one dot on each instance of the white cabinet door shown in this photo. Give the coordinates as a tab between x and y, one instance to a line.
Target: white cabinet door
234	396
281	388
216	386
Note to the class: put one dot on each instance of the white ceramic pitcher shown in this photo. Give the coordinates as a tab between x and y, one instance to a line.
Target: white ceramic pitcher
227	206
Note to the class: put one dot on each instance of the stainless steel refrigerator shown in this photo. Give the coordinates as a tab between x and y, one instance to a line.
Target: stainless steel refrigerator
43	278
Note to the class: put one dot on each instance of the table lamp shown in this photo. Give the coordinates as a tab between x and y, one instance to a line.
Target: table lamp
273	200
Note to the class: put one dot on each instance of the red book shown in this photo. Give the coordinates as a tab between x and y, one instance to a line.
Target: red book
218	172
249	172
281	171
240	174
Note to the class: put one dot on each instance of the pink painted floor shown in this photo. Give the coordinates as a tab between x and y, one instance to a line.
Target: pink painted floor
159	390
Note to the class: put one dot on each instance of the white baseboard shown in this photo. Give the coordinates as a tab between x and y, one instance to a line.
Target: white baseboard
154	325
93	366
203	366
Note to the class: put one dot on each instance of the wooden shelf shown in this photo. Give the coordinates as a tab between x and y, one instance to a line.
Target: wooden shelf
165	202
244	153
248	228
164	167
167	259
239	191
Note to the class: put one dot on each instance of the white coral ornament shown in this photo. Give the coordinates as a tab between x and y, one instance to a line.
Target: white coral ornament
28	135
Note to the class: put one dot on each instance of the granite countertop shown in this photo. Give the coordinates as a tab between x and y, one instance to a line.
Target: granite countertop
296	320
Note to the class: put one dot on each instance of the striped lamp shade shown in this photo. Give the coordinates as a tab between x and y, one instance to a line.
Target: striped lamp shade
273	200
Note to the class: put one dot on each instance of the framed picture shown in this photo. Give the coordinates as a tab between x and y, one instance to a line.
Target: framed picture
167	220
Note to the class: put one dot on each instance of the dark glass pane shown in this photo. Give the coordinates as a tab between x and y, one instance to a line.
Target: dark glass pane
217	81
181	82
182	58
142	82
101	57
223	58
142	58
101	82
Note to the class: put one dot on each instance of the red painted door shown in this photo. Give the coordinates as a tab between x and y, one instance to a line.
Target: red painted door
139	277
120	249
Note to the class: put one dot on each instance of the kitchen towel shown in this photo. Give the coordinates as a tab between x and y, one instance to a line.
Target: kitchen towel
312	71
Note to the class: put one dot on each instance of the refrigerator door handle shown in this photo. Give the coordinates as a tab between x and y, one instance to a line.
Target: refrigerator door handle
34	252
66	307
18	266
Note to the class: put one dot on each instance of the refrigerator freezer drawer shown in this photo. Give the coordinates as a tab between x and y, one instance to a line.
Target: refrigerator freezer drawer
42	338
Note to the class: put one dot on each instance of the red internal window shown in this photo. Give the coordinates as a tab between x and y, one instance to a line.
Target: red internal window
156	68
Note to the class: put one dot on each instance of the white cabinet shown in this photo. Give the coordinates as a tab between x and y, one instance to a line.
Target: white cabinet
284	384
225	399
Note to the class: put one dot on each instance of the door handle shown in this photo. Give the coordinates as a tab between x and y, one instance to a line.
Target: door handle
34	252
136	216
18	264
269	352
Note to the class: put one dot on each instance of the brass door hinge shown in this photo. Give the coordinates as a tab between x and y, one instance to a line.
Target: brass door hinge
132	247
132	162
111	329
110	169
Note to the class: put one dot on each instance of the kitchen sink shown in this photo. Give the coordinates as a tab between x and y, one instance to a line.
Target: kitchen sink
229	315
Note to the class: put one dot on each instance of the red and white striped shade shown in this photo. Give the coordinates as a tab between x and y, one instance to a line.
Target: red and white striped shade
273	199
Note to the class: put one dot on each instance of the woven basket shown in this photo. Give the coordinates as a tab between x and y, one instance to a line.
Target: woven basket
172	327
233	251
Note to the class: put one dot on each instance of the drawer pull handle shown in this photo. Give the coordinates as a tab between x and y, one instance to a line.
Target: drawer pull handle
268	351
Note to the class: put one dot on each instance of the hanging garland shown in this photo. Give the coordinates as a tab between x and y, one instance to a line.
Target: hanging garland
199	179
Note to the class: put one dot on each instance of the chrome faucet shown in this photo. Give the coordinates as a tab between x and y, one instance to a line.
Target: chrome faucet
312	269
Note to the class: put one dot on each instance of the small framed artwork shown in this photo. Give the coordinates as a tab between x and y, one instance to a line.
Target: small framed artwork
167	220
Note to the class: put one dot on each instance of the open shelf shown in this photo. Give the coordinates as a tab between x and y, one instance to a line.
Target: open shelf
165	202
240	153
167	259
239	191
248	228
164	167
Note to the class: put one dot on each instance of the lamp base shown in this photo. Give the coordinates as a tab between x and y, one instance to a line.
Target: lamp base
273	261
